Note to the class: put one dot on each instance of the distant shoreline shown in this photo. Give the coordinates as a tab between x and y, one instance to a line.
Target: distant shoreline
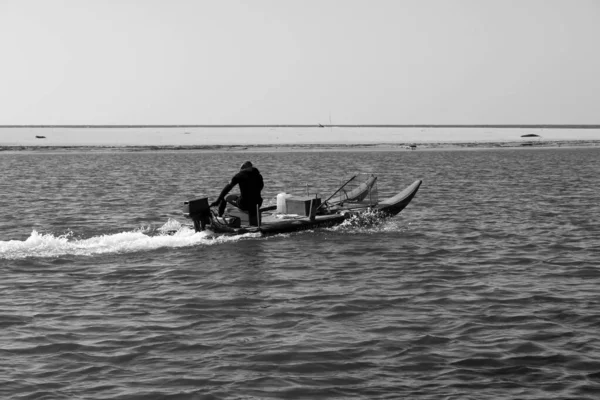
500	126
317	146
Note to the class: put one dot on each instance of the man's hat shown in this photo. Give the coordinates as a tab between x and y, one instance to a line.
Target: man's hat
245	165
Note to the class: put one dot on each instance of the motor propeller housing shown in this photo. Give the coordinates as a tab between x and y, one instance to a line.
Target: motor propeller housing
198	211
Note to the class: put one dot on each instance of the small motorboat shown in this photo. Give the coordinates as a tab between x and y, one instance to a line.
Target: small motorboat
295	213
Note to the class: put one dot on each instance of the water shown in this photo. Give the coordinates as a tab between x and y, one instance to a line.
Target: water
484	287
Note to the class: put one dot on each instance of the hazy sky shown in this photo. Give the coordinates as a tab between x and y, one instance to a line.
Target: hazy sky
298	62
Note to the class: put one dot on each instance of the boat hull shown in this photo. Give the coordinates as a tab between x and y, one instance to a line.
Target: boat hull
271	224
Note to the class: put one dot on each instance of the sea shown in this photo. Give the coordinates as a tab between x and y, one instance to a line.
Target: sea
487	286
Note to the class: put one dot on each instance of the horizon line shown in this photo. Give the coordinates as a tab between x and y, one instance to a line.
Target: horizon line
506	126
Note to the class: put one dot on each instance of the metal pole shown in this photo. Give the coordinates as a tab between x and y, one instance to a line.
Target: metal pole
330	197
258	215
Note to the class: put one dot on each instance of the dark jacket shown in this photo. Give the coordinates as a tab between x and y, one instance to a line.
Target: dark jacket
251	183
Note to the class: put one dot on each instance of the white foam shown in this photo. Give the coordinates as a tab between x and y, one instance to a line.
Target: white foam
371	221
49	245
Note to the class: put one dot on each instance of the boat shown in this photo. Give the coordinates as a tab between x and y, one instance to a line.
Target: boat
296	213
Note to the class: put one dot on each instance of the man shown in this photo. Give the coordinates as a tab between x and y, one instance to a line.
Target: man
251	183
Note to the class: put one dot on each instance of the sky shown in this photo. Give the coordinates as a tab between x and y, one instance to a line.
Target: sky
299	62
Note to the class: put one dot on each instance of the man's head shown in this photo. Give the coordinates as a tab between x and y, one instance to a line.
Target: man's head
245	165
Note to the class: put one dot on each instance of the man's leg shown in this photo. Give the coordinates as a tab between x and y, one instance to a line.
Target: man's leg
231	199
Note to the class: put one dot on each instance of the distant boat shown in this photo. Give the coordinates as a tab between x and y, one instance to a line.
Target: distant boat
321	126
186	133
530	135
40	137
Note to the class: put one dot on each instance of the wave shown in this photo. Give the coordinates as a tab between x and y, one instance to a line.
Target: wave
372	221
171	235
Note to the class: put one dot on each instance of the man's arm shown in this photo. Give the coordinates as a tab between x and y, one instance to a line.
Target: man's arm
224	192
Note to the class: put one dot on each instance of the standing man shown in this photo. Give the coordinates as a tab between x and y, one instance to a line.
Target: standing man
251	184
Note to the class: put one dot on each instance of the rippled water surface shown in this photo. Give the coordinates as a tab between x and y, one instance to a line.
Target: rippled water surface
485	287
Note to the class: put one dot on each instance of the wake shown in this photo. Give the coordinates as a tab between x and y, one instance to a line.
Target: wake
171	235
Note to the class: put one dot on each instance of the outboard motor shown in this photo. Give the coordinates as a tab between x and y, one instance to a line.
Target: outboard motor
198	211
